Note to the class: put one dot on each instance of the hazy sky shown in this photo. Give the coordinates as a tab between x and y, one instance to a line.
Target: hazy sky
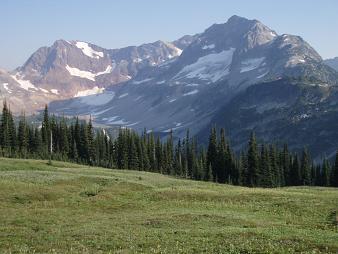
26	25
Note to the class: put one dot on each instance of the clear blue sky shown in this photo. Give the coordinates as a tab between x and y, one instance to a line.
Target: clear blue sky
26	25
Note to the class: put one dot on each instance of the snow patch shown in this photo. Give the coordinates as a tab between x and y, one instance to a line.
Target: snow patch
87	74
177	126
44	90
211	46
211	67
6	87
263	75
160	82
132	124
178	51
123	95
98	99
112	120
82	74
138	98
191	92
172	100
141	81
87	50
24	84
54	91
94	90
108	70
295	60
137	60
193	85
251	64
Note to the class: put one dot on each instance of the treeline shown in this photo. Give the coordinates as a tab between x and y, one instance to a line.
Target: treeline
264	165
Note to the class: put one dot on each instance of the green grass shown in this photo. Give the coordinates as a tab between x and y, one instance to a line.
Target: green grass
67	208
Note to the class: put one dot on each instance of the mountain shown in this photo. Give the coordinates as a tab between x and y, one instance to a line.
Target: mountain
241	75
333	63
199	87
70	69
299	112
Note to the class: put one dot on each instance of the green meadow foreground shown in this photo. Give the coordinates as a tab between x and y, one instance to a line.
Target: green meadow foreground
68	208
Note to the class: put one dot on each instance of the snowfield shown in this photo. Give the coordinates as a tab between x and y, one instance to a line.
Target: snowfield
211	46
211	67
87	74
6	87
98	99
24	84
191	92
94	90
87	50
251	64
54	91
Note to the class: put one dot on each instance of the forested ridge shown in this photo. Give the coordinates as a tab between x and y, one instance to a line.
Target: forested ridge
260	165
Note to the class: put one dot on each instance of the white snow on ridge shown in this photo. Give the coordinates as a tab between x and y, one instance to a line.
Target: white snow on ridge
109	69
191	92
6	87
87	50
78	73
211	46
295	60
87	74
94	90
24	84
211	67
44	90
251	64
54	91
178	51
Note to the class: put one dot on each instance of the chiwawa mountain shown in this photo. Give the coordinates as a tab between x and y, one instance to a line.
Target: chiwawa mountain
240	75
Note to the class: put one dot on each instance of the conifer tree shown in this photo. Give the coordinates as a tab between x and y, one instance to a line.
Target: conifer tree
265	172
158	155
90	143
306	168
285	165
45	131
23	136
178	159
334	175
253	166
325	173
295	173
212	152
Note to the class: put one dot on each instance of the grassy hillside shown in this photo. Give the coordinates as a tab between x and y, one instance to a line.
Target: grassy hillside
67	208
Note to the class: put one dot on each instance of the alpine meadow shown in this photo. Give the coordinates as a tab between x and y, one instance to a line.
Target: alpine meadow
223	140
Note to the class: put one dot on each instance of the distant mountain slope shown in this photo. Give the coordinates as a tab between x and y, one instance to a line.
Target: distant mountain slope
333	63
301	113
